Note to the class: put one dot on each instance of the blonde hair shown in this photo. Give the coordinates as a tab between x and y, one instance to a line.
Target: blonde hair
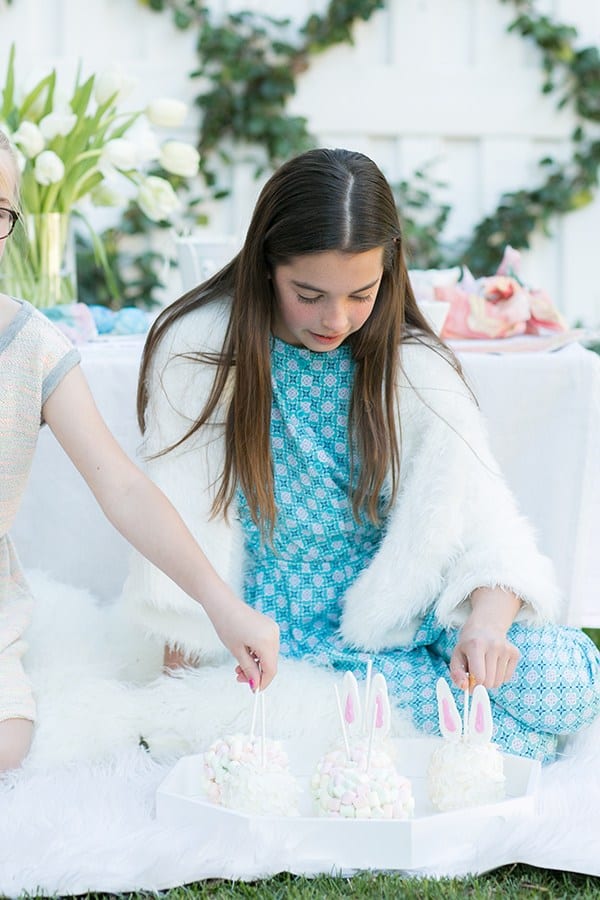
10	181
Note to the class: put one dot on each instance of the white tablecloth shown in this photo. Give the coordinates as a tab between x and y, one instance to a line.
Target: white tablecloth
543	413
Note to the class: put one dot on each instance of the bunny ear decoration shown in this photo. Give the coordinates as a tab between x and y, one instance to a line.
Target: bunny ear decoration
379	712
449	718
351	700
480	717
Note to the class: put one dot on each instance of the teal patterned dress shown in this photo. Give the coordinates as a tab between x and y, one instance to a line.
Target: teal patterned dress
319	549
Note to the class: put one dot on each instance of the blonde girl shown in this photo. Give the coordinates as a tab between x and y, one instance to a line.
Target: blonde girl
41	381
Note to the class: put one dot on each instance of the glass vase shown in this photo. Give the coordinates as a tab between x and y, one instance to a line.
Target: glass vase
39	265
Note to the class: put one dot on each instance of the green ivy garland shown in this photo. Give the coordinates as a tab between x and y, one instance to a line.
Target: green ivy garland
251	64
576	73
251	68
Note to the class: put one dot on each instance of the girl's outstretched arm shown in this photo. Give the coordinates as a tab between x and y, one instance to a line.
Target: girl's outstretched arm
149	521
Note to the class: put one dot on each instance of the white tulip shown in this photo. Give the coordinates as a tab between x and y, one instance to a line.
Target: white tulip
112	83
157	199
179	158
55	124
49	168
148	148
166	112
121	154
29	138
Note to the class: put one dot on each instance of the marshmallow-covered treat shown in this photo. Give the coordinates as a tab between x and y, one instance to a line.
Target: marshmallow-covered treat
467	769
250	774
359	779
352	790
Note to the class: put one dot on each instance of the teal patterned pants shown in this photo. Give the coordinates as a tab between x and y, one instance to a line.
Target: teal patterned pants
555	689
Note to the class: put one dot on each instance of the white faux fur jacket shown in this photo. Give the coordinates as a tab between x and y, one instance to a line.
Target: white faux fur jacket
454	525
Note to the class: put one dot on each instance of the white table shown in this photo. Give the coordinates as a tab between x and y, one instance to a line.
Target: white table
543	412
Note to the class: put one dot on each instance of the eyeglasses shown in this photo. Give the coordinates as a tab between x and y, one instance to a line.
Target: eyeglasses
8	220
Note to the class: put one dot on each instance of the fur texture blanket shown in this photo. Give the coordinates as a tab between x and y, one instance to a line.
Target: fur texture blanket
79	815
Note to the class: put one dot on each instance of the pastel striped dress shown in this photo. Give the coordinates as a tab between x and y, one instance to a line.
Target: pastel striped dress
34	357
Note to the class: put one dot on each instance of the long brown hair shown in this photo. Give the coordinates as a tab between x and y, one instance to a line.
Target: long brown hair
320	201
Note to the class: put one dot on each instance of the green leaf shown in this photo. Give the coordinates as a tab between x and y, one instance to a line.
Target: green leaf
8	94
81	97
30	100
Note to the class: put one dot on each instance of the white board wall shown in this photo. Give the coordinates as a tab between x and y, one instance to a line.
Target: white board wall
427	80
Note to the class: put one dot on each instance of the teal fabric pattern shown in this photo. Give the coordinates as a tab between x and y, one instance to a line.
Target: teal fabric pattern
319	550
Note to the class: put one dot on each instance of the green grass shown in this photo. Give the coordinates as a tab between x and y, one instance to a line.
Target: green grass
508	883
594	633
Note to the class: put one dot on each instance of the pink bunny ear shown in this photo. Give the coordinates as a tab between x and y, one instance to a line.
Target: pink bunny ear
350	700
480	717
449	718
379	713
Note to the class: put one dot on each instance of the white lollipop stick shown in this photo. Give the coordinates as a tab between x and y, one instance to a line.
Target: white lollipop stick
372	733
367	694
342	723
466	713
254	711
263	730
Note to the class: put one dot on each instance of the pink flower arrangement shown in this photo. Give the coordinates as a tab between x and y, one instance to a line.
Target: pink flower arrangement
498	306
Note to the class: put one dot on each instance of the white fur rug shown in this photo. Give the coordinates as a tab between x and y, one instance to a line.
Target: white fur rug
79	816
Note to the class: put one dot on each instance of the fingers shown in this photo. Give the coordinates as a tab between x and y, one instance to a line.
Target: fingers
500	667
240	676
475	663
257	673
459	669
467	668
268	669
477	667
496	671
248	670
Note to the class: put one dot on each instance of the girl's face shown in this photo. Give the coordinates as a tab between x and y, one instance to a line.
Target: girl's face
323	298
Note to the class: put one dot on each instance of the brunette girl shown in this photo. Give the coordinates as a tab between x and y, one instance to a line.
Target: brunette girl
324	448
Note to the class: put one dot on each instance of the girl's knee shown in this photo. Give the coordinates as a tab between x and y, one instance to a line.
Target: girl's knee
15	741
556	688
557	657
552	708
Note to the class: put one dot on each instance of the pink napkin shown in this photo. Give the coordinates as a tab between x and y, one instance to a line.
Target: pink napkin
499	305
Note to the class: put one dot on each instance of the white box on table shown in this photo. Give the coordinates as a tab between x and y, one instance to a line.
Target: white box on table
428	839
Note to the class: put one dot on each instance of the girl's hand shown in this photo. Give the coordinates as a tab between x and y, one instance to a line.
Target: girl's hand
483	651
252	638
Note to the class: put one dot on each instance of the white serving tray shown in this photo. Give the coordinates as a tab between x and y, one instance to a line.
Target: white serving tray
429	839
